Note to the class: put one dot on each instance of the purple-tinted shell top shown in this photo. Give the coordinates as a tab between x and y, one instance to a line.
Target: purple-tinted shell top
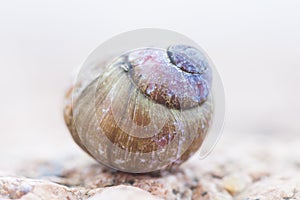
179	77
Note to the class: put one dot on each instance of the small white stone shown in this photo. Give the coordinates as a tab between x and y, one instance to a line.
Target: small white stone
235	183
123	192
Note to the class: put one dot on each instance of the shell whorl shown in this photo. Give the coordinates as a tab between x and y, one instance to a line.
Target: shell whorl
178	77
150	108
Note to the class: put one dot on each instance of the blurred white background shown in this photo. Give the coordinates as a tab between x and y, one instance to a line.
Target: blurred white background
254	44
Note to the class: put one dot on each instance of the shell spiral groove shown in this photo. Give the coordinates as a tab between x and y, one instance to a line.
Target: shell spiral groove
149	110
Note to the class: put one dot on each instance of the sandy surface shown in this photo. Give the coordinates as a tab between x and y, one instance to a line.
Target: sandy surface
252	167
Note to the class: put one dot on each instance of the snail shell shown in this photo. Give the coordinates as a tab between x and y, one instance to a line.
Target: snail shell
151	108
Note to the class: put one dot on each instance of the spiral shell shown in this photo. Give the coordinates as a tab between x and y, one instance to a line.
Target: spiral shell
151	108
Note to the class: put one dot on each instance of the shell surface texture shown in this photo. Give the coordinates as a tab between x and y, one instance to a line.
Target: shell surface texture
150	109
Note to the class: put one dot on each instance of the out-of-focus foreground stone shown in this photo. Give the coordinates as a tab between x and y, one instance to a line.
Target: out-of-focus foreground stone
242	168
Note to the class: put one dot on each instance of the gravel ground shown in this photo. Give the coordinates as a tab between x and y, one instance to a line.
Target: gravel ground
241	167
